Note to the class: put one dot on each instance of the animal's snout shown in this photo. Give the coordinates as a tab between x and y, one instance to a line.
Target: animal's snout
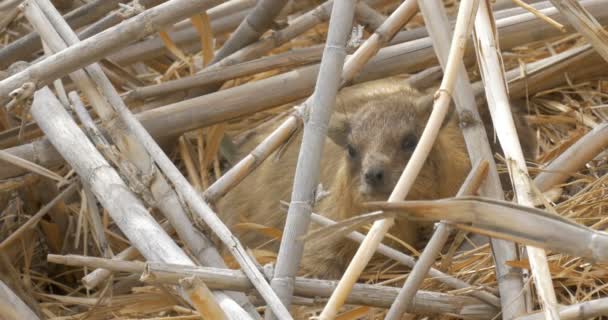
374	176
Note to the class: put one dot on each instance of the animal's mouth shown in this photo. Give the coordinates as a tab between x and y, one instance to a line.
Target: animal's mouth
369	193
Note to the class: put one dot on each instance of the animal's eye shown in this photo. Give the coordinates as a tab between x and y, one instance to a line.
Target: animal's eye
352	152
409	142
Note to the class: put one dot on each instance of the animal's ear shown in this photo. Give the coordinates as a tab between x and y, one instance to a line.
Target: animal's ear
339	128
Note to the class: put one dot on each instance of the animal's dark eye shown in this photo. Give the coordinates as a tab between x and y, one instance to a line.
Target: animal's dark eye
409	142
352	152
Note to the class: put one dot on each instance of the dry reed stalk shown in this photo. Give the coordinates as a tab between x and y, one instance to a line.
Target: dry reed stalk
579	311
574	158
12	307
202	298
167	199
22	48
490	64
306	177
30	166
466	13
585	24
426	302
250	30
188	160
181	184
368	17
98	46
294	57
31	222
379	39
277	38
174	119
539	15
411	262
502	219
509	283
433	248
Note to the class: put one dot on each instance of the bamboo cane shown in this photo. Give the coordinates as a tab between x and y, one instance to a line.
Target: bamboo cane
175	176
498	102
167	199
509	283
579	311
414	280
368	247
585	23
22	48
254	25
368	17
309	161
426	302
99	46
12	307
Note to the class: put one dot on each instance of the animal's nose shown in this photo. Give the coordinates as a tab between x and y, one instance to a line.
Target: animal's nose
374	176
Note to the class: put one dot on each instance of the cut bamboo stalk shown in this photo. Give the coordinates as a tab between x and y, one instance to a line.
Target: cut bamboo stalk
409	261
97	47
25	46
12	307
490	64
294	57
277	38
509	280
574	158
426	302
31	222
466	13
309	160
585	24
124	207
166	197
181	184
379	39
187	39
433	248
579	311
175	119
250	30
368	17
202	298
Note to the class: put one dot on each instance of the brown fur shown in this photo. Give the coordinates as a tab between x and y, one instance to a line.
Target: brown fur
375	119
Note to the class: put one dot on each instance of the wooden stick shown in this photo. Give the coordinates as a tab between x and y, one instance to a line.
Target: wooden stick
25	46
373	295
309	161
202	298
539	15
490	64
510	284
433	248
167	198
579	311
250	30
440	107
12	307
293	57
31	222
97	47
584	23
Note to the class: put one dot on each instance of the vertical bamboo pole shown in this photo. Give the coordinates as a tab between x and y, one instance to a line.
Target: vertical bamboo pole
414	280
309	159
509	279
491	69
250	30
464	20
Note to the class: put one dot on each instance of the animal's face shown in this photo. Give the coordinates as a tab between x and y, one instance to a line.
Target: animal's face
378	141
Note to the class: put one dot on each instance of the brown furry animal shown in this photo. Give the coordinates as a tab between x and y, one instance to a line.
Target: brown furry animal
371	141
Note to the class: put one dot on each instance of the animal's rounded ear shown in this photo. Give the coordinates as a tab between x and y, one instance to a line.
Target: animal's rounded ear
339	128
